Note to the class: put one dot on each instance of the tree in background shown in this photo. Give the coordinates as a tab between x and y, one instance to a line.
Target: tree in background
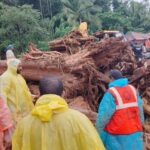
10	2
104	4
122	15
140	16
54	18
19	25
48	8
127	15
117	17
73	12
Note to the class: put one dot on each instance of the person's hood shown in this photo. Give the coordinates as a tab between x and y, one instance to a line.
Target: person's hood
47	105
10	54
12	65
83	26
120	82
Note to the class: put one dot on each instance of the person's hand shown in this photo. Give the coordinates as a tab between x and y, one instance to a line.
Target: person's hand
7	138
35	96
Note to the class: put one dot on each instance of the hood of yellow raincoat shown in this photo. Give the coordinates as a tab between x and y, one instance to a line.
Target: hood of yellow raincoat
12	64
47	105
83	26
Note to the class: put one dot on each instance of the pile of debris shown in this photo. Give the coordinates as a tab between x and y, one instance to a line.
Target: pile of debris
70	43
143	85
83	71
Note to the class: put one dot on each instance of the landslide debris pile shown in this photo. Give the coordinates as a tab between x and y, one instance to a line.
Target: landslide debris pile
70	43
83	72
143	85
83	67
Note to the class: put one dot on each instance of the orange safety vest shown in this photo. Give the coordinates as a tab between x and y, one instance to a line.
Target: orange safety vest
126	119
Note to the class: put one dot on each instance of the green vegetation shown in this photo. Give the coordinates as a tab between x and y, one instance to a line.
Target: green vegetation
39	21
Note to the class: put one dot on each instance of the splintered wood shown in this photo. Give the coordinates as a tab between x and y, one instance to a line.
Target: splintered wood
84	72
70	43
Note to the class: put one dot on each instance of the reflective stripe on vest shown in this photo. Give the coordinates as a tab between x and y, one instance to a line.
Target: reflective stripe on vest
121	105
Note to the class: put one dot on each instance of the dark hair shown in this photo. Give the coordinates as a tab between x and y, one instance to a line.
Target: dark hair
51	85
116	74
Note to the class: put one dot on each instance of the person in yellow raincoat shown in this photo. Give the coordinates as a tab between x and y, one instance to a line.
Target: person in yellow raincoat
53	126
15	91
83	29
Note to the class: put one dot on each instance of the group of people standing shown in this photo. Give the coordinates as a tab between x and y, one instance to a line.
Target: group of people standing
51	124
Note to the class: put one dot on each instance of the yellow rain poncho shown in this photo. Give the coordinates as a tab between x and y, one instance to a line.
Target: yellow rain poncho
53	126
15	91
83	29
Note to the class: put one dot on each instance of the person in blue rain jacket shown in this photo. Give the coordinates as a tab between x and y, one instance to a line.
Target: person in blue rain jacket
120	115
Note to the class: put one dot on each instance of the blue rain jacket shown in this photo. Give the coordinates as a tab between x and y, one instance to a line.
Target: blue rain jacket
106	109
